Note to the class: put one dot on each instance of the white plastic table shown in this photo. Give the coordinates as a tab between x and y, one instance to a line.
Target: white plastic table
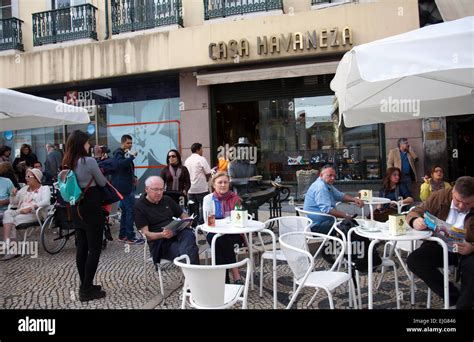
224	226
375	201
383	235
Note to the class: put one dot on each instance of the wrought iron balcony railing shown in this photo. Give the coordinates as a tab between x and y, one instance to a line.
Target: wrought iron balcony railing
10	34
69	23
135	15
225	8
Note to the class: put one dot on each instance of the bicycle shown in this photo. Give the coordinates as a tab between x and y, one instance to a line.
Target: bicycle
58	228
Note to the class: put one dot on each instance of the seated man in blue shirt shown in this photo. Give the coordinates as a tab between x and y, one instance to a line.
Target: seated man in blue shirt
322	197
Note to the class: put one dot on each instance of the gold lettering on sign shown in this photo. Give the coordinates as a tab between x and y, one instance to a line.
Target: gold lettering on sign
274	44
233	48
286	41
298	42
244	47
323	37
262	45
334	41
212	47
346	36
222	50
312	40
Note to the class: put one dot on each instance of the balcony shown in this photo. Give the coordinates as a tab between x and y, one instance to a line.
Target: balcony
224	8
60	25
136	15
10	34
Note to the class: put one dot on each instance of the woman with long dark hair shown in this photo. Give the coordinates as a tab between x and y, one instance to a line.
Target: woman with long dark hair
26	160
393	188
87	214
175	174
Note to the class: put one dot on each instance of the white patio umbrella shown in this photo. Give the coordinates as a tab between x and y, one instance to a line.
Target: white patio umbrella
427	72
23	111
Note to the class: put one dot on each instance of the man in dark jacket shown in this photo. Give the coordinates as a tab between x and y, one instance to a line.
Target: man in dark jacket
52	165
124	181
456	207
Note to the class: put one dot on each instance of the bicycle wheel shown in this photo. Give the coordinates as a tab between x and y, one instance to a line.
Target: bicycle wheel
53	238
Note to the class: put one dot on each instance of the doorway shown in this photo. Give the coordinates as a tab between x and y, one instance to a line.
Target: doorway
460	146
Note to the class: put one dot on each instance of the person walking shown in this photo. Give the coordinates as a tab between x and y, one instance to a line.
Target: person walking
404	158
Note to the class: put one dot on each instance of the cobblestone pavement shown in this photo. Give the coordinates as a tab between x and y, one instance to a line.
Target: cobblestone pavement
51	282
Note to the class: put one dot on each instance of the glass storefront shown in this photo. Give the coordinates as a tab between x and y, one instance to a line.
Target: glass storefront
149	112
297	132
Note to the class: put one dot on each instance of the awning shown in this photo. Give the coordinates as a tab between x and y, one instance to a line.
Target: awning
267	73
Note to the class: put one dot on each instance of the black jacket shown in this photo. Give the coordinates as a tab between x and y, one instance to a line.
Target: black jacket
123	178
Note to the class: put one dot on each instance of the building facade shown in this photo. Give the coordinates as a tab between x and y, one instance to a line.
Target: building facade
174	72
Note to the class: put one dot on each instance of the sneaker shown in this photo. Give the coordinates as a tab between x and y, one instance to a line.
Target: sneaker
136	241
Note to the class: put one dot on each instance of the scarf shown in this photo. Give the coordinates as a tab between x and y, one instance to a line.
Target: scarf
435	186
224	203
175	173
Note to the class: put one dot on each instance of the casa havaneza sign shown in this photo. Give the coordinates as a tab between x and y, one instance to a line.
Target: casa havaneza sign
324	39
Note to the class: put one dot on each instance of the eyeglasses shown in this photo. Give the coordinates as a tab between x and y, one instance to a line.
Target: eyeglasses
172	156
157	189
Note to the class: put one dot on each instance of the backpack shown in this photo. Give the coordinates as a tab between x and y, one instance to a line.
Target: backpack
68	187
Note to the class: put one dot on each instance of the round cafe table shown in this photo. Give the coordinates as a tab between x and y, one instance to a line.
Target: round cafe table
381	233
224	226
375	201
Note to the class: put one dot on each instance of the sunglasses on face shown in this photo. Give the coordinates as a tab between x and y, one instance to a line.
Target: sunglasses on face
172	156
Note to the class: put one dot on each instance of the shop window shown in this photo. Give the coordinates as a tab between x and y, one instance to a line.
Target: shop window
304	133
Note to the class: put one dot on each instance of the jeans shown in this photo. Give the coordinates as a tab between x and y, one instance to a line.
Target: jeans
323	226
183	243
126	221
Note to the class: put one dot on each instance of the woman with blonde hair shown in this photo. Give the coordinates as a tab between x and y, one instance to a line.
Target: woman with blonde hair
223	201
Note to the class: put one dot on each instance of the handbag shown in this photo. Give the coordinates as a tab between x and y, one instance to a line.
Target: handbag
110	194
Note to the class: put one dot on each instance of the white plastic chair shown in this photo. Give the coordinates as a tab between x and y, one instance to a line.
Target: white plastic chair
295	248
306	213
147	259
285	224
41	214
205	287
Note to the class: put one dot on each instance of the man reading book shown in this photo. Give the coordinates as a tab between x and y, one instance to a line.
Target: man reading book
456	207
153	212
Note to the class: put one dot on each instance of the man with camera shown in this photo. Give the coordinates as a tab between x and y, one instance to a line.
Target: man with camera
124	180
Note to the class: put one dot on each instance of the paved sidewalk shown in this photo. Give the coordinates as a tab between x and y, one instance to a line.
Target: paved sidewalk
51	282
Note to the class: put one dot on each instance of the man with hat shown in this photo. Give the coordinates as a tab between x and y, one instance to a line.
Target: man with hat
25	201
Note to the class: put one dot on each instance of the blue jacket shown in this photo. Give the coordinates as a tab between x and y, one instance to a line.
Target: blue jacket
123	178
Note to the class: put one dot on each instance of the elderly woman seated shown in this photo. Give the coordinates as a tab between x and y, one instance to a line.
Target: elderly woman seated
23	205
223	201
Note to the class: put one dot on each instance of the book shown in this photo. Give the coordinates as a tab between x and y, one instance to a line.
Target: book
177	224
445	231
